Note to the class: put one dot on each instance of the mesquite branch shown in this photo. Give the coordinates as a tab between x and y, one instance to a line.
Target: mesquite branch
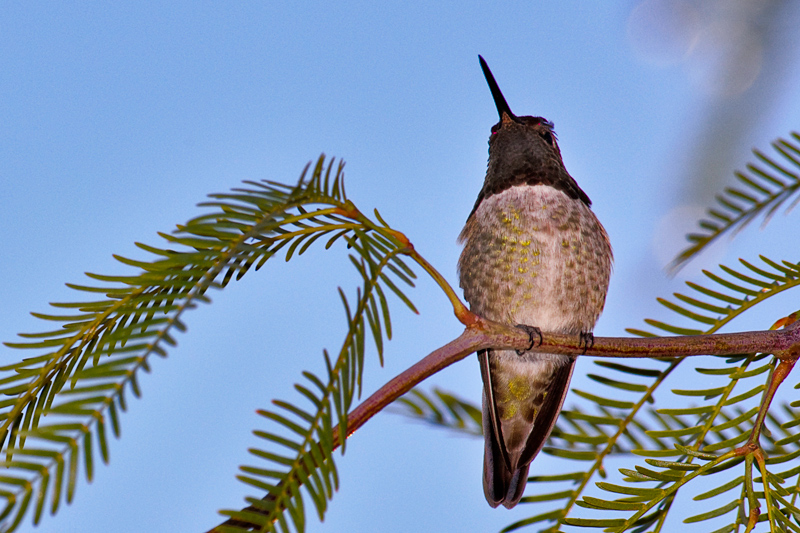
784	344
481	334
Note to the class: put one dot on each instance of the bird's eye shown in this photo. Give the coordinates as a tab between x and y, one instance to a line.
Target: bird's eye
548	137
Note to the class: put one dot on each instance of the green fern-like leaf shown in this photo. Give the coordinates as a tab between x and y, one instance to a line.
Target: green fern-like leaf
304	455
762	189
63	401
707	434
676	444
441	409
735	292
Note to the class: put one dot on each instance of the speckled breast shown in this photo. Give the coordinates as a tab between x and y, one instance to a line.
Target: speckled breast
533	255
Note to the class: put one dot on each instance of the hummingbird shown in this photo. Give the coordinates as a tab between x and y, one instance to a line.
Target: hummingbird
535	256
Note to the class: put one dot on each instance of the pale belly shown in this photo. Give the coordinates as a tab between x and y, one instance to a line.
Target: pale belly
533	255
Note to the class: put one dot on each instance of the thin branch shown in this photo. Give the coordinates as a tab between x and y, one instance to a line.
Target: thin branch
784	344
483	334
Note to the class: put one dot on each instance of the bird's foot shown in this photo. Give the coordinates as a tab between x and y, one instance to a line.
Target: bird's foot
531	330
586	340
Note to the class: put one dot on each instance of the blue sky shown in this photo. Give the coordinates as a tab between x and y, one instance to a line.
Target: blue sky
117	119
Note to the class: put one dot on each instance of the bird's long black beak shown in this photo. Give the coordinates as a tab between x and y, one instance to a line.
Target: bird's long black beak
499	99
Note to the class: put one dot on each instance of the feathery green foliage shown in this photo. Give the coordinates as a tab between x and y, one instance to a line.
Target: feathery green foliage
64	400
678	444
761	189
704	438
580	431
703	443
306	456
441	409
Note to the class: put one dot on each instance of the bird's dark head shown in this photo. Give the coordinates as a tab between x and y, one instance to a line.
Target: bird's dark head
524	150
519	136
